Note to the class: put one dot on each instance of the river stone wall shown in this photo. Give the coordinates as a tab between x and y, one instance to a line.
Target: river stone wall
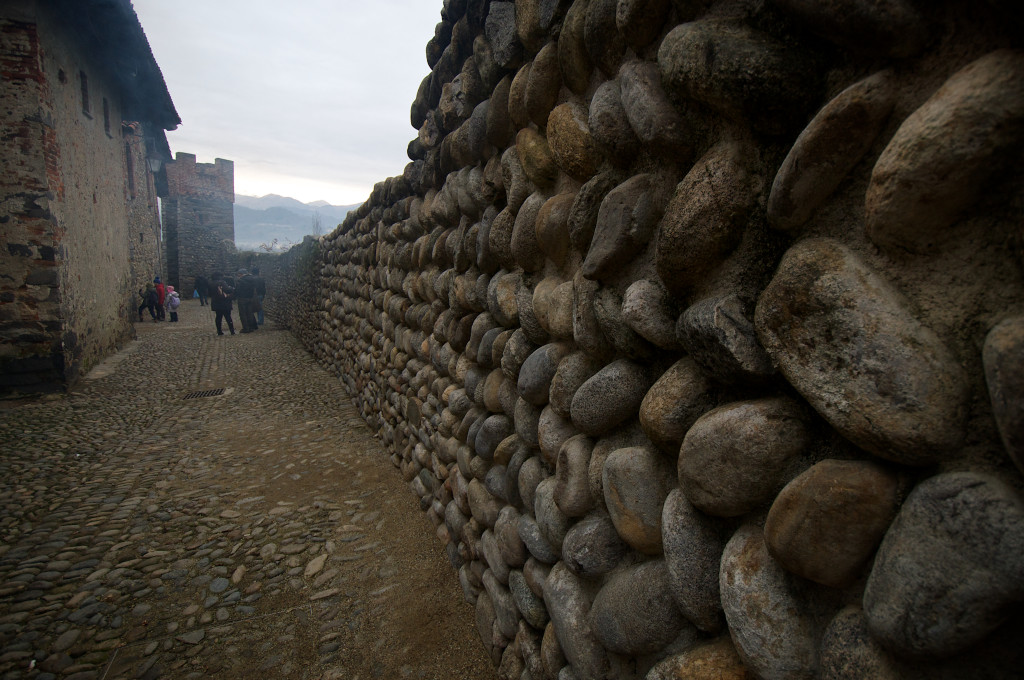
697	328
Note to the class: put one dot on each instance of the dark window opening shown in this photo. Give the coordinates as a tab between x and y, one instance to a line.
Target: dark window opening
106	116
140	237
62	77
85	93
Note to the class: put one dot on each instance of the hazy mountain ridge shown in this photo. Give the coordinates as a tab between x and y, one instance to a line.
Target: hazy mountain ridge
261	219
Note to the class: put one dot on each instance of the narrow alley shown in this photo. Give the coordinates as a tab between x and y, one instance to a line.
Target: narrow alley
213	507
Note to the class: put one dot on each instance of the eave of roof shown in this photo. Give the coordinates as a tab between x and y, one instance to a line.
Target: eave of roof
110	30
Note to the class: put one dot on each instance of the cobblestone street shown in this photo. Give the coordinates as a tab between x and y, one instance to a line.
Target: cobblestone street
260	533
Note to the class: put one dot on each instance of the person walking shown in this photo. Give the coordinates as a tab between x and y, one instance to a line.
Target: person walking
220	303
245	294
202	289
161	294
148	295
261	292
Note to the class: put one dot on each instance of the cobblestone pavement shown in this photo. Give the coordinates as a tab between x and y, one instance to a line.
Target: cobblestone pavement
260	533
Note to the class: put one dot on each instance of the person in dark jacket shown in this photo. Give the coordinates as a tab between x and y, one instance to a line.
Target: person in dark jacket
261	292
220	302
148	295
203	289
245	294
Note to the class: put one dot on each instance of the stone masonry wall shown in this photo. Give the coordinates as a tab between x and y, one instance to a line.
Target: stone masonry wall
30	326
144	239
98	298
67	285
198	219
293	285
698	326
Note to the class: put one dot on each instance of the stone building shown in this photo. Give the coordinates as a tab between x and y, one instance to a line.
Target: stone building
199	219
83	110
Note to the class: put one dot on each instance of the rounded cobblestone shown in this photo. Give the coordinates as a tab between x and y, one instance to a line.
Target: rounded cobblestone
146	535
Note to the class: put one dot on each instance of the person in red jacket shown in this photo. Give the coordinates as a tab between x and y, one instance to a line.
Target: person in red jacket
161	295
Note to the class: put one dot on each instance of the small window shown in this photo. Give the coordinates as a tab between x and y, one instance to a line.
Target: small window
130	167
86	109
106	116
62	77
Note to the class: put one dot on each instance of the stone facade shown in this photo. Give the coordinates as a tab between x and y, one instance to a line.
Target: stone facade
199	219
697	329
77	197
145	249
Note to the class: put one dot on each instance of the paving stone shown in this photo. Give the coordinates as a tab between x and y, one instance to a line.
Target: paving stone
168	543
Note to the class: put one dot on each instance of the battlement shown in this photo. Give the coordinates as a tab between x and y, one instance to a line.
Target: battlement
198	218
186	177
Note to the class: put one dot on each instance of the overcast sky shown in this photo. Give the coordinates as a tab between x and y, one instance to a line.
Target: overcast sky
309	98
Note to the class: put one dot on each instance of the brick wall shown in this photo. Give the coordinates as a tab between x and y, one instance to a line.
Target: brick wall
30	299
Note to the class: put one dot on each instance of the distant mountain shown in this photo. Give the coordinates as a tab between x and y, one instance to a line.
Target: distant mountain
260	220
270	201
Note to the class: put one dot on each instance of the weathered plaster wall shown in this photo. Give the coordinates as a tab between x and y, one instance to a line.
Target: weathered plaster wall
698	329
198	219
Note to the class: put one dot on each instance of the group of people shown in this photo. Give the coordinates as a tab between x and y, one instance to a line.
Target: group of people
161	301
247	289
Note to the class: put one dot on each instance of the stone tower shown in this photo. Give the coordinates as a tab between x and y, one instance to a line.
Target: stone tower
198	219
